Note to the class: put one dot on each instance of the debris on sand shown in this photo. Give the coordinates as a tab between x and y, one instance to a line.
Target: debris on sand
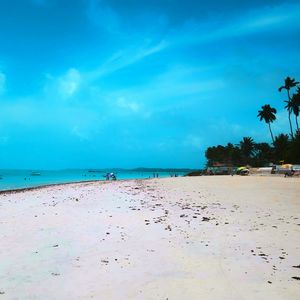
297	266
168	228
105	261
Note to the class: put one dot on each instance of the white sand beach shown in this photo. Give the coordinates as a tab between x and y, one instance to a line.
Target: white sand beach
218	237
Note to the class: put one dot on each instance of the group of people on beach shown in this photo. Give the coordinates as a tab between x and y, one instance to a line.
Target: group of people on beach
111	176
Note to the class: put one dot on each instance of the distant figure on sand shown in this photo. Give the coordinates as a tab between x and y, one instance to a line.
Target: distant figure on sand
111	176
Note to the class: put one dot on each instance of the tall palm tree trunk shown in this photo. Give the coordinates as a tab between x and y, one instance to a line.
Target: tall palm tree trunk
291	128
271	132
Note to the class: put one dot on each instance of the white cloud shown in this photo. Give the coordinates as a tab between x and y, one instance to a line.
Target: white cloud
2	82
69	84
130	106
64	86
80	133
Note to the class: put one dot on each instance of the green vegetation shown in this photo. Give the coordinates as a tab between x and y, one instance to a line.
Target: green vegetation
284	148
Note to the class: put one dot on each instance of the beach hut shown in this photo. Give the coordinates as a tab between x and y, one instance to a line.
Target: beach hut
265	170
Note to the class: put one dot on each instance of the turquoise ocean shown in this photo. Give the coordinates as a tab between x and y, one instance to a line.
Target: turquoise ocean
16	179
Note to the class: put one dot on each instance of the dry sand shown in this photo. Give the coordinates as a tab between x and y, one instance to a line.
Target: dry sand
179	238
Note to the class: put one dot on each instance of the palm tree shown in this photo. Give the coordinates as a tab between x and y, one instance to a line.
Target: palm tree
268	114
281	146
295	106
263	154
247	146
288	84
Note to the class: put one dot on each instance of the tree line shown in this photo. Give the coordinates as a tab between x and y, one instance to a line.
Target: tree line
285	148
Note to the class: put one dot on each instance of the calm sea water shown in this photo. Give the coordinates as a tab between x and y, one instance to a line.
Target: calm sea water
14	179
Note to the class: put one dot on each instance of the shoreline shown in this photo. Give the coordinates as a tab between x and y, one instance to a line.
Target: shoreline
42	186
20	190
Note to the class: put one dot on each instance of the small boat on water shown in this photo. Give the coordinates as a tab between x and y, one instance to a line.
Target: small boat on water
94	171
35	174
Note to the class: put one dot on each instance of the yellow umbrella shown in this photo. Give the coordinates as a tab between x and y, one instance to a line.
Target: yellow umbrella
241	168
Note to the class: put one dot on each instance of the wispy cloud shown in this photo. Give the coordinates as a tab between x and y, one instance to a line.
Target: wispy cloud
178	82
251	22
194	32
191	33
125	58
278	17
126	105
77	131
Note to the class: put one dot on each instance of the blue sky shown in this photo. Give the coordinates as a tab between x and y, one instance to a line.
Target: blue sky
111	83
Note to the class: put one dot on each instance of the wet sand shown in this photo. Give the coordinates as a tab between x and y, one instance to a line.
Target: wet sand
217	237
